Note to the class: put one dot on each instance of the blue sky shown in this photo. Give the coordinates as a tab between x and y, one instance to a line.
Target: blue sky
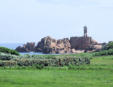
29	20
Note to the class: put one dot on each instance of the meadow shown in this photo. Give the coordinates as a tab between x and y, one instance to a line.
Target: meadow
98	74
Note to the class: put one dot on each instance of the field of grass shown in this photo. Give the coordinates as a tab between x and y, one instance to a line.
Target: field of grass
98	74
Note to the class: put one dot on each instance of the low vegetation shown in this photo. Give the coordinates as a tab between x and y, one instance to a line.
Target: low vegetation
108	46
98	74
104	53
80	70
44	62
8	51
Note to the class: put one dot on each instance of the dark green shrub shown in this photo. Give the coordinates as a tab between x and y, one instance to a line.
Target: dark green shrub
108	46
6	57
39	66
110	52
7	50
104	52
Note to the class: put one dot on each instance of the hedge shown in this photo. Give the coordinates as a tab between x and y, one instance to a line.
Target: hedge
46	62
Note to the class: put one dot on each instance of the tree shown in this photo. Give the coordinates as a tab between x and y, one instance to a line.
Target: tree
109	46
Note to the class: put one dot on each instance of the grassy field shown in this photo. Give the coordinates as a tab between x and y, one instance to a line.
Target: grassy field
98	74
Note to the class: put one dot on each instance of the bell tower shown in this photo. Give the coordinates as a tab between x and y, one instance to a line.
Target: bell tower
85	31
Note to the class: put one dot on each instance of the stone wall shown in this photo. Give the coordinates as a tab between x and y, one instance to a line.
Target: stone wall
81	43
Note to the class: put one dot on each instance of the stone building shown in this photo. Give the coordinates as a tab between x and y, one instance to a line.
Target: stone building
83	42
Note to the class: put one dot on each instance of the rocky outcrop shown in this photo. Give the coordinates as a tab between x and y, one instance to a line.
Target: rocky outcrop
30	46
97	47
72	45
50	45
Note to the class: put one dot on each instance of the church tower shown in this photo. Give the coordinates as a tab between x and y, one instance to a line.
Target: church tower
85	31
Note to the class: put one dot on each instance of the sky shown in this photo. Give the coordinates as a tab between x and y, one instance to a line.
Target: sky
24	21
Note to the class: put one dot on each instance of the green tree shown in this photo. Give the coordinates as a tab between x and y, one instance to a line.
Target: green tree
109	46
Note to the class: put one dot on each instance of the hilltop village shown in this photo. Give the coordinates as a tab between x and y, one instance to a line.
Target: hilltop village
48	45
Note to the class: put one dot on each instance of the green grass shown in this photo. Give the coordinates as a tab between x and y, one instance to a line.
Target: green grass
98	74
103	60
44	78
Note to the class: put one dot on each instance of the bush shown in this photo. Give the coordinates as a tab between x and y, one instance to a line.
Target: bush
7	50
8	63
41	63
104	52
39	66
4	56
108	46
